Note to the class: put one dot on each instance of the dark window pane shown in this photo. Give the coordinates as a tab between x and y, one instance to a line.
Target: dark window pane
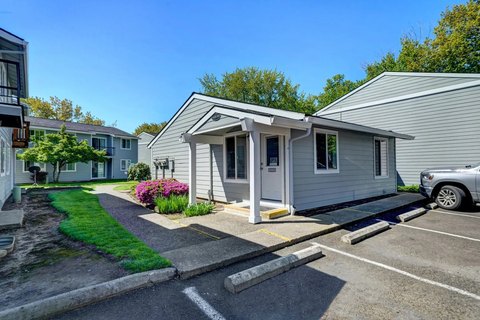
241	157
273	158
378	164
321	151
332	151
230	157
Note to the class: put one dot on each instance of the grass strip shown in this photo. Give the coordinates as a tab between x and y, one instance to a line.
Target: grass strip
88	222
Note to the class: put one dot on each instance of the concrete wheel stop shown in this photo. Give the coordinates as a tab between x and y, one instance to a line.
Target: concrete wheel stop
362	234
255	275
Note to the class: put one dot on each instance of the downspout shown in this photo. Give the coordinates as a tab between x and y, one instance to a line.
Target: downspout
290	156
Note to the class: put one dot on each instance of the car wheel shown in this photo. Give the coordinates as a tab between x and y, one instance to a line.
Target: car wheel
450	197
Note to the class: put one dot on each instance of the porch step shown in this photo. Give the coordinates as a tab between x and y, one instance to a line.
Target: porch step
266	213
11	219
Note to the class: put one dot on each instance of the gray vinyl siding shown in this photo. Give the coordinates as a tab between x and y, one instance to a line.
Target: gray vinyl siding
144	154
355	180
390	86
83	171
6	180
445	126
169	146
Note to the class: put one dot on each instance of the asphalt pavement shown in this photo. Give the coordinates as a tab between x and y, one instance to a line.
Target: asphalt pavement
427	268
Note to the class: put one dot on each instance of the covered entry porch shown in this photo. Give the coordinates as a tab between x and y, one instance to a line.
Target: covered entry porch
256	153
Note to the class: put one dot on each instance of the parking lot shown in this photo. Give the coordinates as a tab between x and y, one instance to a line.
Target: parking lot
427	268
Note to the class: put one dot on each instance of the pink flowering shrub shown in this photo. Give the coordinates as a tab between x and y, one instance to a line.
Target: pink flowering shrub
147	191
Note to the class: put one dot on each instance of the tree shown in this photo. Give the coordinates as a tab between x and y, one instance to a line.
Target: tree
60	149
60	109
268	88
335	88
152	128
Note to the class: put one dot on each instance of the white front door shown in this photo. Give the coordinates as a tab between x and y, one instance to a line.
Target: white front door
272	167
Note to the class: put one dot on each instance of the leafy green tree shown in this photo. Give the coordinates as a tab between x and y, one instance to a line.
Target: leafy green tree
152	128
268	88
335	88
60	109
139	172
60	149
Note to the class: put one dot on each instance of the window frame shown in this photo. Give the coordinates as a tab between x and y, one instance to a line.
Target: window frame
127	167
387	140
326	132
105	174
42	165
3	157
129	145
74	167
247	156
31	142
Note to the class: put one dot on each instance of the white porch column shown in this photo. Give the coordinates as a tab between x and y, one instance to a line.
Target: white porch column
192	170
254	161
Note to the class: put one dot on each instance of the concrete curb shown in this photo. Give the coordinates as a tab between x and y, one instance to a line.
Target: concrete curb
77	298
361	234
432	206
411	214
250	277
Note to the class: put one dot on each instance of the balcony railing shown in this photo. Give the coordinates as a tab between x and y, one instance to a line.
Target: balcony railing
109	150
21	137
9	82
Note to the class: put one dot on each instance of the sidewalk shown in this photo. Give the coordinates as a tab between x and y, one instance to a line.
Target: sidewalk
271	235
201	244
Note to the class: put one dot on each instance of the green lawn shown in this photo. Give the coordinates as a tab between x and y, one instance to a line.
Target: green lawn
84	184
88	222
127	185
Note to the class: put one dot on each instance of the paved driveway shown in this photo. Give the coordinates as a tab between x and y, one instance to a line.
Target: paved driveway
427	268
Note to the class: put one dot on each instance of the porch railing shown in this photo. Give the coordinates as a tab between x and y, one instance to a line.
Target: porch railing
10	82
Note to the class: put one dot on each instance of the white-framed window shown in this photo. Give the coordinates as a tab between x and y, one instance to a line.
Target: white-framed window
325	151
235	156
99	170
126	144
381	157
8	158
3	157
69	167
36	134
125	164
28	164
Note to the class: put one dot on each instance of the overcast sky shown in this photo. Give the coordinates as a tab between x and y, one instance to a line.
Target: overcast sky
137	61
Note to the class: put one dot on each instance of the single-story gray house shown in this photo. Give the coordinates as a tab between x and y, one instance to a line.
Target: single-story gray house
260	157
121	148
13	127
144	154
442	111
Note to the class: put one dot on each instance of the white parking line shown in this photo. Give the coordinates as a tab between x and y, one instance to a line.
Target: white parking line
405	273
207	309
455	214
436	231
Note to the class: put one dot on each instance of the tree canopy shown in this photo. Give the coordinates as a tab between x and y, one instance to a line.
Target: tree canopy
60	149
60	109
152	128
270	88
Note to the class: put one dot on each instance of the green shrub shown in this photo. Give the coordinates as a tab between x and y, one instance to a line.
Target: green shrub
413	188
199	209
139	172
171	204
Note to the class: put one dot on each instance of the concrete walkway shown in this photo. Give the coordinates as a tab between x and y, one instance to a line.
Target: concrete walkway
200	244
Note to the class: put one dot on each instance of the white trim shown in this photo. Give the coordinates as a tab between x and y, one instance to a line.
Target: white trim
400	98
66	166
375	158
127	166
227	103
3	155
44	168
236	180
12	38
121	144
326	132
104	170
337	124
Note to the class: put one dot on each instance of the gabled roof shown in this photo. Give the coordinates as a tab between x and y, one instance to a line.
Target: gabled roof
464	80
41	123
227	103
